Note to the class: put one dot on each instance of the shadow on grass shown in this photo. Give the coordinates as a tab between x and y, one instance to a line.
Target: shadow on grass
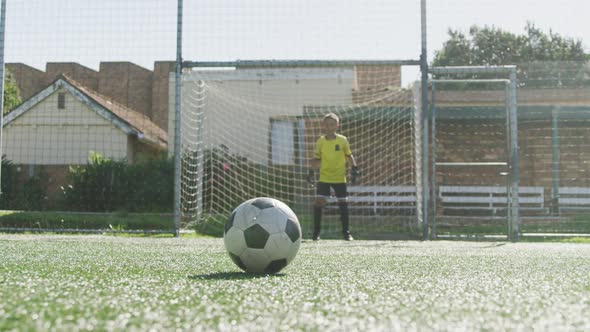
233	276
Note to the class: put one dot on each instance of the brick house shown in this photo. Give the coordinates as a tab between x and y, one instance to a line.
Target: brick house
61	124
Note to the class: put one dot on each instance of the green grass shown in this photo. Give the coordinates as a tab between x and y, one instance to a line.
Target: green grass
364	227
565	225
81	220
74	282
576	240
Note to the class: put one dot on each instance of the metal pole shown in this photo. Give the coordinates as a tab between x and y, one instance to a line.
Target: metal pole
2	39
486	163
425	150
433	135
507	103
418	147
177	115
514	174
200	159
555	168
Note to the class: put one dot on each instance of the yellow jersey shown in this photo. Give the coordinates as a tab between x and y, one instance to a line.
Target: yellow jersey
332	153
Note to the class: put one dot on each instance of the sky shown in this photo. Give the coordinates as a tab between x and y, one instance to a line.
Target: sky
144	31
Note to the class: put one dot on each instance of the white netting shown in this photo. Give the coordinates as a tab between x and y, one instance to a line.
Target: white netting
250	132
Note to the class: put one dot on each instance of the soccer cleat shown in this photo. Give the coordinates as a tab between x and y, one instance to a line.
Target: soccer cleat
315	237
348	237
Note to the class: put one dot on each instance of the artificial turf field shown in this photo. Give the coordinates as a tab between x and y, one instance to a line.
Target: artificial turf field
65	282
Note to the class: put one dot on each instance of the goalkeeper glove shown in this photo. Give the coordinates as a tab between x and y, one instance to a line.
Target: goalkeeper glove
355	173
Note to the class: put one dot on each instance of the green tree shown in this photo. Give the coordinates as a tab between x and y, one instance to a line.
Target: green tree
11	93
543	59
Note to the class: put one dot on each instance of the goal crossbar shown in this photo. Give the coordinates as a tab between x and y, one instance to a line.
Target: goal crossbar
473	69
297	63
499	80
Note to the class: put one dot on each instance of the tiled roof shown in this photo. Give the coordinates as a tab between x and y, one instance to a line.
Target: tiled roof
140	122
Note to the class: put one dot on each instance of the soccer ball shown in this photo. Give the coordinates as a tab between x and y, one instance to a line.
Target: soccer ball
262	235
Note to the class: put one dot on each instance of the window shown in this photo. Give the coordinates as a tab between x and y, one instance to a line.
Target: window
61	100
286	141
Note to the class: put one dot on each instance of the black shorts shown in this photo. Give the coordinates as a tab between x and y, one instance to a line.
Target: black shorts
323	189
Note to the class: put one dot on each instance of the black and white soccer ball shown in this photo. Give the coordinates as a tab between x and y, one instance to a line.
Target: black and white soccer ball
262	235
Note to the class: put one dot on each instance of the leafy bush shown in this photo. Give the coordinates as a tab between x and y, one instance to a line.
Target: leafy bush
108	185
8	183
151	185
32	194
21	194
96	186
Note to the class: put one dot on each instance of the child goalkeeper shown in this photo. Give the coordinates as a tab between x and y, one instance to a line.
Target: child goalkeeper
331	154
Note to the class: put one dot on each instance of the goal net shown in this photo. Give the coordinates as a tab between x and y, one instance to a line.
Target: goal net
249	131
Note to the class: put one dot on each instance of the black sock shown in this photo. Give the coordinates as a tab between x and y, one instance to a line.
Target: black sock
344	216
317	220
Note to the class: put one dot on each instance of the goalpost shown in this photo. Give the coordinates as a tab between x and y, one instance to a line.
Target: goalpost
249	127
508	167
